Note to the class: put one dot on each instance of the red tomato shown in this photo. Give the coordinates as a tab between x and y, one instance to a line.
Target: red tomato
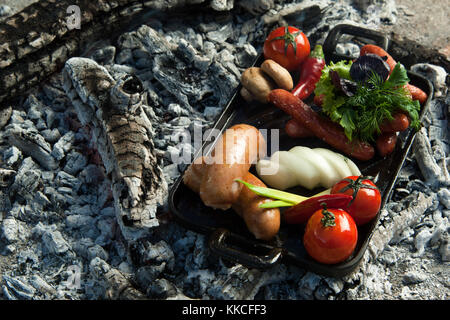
330	236
366	197
287	46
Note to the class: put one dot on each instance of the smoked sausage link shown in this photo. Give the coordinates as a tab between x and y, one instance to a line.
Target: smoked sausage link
386	143
417	93
193	175
322	128
296	130
262	223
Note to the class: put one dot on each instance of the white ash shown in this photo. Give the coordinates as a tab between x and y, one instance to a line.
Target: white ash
27	138
5	114
59	235
6	177
435	74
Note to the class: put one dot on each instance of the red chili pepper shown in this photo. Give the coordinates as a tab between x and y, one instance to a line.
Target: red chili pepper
311	70
301	212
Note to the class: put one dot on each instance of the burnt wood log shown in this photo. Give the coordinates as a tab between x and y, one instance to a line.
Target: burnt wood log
124	136
35	42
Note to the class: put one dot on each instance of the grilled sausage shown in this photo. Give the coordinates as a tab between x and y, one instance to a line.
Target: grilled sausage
322	128
399	123
386	143
235	151
296	130
417	93
262	223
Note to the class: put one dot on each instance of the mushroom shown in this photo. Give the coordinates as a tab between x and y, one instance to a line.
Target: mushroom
258	83
247	95
279	74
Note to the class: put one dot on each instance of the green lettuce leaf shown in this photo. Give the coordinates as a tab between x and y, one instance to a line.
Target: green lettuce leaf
331	100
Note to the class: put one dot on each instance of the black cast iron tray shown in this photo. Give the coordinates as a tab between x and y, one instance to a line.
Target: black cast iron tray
229	237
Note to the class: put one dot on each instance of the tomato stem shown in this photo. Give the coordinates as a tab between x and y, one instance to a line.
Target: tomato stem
289	38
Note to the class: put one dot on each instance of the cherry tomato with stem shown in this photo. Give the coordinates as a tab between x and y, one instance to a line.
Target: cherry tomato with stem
366	197
288	46
330	236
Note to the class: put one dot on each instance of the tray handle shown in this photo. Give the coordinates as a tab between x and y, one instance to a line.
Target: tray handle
335	34
217	243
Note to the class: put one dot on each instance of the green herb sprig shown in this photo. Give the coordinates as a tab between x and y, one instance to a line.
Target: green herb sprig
374	102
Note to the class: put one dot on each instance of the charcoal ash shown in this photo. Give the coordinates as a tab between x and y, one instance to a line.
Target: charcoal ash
435	74
27	138
6	177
